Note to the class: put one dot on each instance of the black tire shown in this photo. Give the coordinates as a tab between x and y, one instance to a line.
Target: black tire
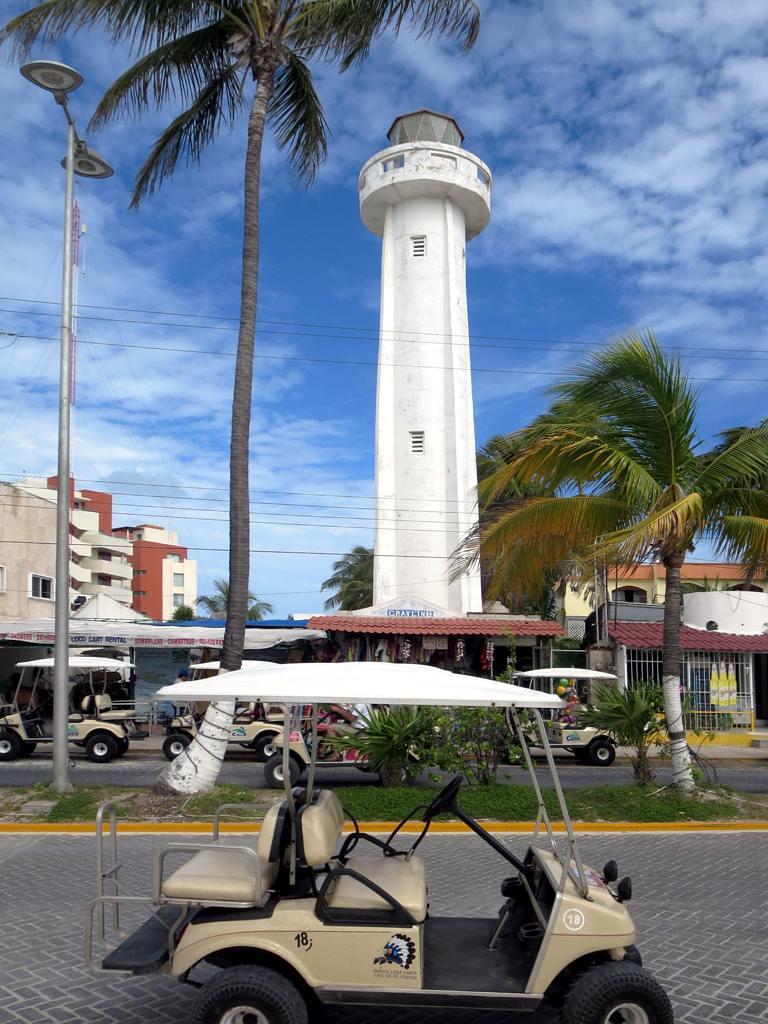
10	745
633	956
601	752
122	747
598	995
27	748
175	744
264	746
101	747
273	770
257	989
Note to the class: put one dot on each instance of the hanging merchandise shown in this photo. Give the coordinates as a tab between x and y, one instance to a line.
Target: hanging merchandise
405	650
486	657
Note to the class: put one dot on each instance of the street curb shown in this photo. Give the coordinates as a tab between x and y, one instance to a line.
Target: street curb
384	827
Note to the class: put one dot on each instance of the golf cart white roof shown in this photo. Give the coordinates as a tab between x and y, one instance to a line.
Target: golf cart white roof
564	673
79	662
353	682
214	666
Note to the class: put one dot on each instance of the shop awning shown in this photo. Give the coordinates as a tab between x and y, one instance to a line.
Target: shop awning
402	625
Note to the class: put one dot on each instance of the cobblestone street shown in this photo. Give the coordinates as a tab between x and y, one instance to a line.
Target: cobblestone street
700	908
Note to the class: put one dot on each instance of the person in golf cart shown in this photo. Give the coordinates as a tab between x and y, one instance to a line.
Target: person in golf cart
307	914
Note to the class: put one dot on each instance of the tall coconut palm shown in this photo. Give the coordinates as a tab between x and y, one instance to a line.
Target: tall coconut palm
629	481
352	580
221	59
215	604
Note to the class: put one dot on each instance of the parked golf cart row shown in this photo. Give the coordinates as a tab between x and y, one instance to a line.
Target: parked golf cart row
307	913
104	731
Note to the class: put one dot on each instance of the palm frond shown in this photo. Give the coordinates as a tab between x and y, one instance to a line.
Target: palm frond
297	117
742	460
743	539
670	527
344	30
180	69
220	101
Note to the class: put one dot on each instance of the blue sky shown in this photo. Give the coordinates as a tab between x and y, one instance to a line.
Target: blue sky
630	163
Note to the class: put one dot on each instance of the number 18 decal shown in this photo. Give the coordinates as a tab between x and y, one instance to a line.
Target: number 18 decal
302	941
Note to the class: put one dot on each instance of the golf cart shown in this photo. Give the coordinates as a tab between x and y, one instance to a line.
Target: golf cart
588	745
302	913
94	724
253	734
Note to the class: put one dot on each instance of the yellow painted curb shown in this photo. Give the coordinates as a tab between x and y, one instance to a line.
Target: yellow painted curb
439	827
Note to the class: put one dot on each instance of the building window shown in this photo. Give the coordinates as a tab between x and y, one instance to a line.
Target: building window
139	572
178	579
632	595
139	593
2	579
138	535
482	176
418	245
104	556
417	442
393	163
41	586
173	558
178	600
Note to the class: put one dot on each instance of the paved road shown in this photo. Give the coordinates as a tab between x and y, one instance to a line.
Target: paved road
700	908
241	769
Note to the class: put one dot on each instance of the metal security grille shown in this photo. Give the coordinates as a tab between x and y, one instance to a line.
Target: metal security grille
418	245
717	686
417	442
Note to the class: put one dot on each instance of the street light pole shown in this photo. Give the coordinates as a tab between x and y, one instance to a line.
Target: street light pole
61	783
60	80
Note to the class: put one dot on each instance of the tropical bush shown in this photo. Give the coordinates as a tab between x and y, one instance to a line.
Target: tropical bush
632	718
394	741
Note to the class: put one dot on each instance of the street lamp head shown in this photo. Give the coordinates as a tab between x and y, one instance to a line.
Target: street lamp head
52	76
88	163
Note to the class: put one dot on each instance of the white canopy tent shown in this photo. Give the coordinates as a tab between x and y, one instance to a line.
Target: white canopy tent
79	663
564	673
358	683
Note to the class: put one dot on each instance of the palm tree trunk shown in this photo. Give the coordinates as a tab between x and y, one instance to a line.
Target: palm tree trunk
197	769
682	774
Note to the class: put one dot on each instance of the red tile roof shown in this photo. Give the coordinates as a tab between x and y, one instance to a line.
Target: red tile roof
649	635
399	625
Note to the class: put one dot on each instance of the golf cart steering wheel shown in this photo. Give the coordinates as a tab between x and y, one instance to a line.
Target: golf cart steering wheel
444	799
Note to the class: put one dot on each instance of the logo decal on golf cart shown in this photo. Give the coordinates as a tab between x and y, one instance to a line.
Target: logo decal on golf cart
574	920
398	952
238	730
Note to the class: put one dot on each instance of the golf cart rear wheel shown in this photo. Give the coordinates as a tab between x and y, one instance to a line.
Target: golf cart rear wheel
27	748
250	995
601	753
617	993
101	747
10	745
175	744
264	746
273	770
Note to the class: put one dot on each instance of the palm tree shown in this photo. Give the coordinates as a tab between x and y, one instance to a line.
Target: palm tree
216	604
352	580
628	481
221	58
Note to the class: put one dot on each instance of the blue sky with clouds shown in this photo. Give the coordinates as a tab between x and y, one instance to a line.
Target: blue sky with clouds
630	161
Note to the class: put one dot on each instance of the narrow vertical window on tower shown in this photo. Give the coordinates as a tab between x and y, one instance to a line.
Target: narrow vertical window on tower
417	442
418	245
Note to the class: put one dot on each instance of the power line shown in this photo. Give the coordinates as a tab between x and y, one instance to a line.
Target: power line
358	362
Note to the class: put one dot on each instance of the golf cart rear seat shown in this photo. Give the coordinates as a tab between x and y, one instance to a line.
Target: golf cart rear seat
233	869
319	828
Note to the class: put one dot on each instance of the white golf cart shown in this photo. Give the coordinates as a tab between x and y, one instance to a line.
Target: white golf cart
302	914
254	734
588	745
105	731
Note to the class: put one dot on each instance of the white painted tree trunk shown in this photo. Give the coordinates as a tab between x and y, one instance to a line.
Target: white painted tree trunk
680	754
197	768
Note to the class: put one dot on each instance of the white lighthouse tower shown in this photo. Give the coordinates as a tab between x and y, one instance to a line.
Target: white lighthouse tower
425	197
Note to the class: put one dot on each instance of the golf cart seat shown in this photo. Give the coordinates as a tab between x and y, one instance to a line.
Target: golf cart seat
233	869
319	828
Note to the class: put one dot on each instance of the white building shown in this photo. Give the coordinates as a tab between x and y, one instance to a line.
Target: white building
425	197
27	555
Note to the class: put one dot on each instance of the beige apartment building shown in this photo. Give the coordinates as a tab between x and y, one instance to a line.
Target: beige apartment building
27	555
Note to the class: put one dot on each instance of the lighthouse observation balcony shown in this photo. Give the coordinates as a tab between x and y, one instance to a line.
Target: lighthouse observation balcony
423	168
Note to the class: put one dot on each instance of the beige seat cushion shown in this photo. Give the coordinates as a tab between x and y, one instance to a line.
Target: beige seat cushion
222	874
404	880
320	826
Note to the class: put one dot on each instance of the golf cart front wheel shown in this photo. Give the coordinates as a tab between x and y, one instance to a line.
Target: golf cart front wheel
250	995
122	747
617	993
175	744
264	746
273	771
10	745
601	753
27	748
101	748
